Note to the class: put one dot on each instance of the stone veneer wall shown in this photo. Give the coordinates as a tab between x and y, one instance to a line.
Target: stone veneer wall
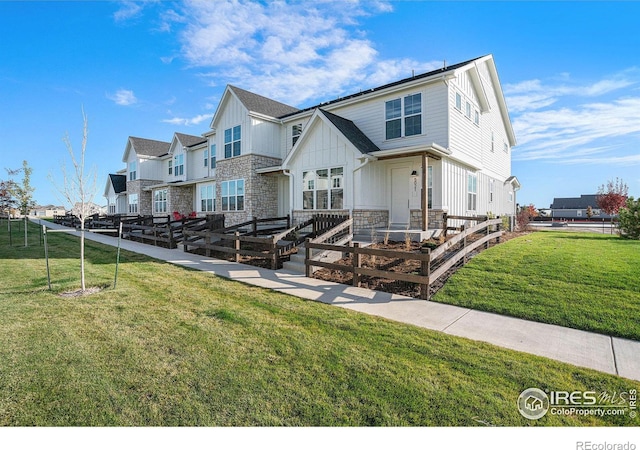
180	199
368	219
145	198
434	219
261	191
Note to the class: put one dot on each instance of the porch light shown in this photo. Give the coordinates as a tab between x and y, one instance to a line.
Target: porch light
414	174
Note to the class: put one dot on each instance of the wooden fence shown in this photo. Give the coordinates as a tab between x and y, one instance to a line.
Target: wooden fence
260	238
433	263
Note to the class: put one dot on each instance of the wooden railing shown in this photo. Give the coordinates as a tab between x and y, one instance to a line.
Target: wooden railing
245	239
433	263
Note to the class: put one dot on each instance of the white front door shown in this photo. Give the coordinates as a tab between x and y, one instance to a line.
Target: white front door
400	183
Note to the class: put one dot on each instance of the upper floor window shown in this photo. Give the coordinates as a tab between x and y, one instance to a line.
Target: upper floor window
133	171
232	141
458	101
206	158
472	191
296	131
467	111
213	156
493	142
491	186
178	165
403	116
506	147
476	117
170	167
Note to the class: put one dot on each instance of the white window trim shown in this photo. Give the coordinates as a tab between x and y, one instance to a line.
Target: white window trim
232	142
206	198
403	116
235	196
331	186
160	199
472	192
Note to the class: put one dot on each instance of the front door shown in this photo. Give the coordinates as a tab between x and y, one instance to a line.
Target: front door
400	183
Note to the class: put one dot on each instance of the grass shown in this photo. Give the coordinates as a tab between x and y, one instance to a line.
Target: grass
173	347
586	281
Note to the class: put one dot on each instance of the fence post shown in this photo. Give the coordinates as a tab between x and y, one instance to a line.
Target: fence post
46	255
237	245
356	260
486	244
274	260
464	246
288	221
307	258
425	271
445	224
254	227
498	227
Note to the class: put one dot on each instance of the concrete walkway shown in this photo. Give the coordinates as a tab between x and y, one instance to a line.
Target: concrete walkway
596	351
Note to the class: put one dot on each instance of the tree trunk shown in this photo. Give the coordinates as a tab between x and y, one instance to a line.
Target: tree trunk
82	254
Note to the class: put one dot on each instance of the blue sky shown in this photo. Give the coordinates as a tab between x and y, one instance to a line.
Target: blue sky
570	72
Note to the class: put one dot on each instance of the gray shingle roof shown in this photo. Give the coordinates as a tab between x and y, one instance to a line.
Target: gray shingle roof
149	147
188	140
581	202
262	105
119	182
351	131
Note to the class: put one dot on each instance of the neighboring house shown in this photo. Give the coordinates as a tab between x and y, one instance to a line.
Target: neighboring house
91	209
401	154
145	167
116	193
576	208
47	211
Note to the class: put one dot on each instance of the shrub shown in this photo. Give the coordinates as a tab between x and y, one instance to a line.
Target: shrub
629	219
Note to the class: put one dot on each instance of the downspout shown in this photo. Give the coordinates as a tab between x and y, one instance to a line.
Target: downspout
288	173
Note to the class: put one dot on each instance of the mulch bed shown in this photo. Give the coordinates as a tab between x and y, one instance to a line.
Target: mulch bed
395	265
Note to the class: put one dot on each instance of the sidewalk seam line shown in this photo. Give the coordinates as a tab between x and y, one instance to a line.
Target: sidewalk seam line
613	351
445	328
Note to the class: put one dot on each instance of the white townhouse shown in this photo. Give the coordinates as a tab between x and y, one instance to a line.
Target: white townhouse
401	154
116	193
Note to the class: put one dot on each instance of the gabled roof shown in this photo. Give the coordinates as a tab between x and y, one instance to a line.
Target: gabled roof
188	140
119	182
351	132
262	105
149	147
581	202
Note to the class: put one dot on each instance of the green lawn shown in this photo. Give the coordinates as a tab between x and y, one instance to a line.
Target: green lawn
173	346
580	280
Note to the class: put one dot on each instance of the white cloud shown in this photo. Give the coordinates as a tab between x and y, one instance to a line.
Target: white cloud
189	121
294	52
553	122
128	10
123	97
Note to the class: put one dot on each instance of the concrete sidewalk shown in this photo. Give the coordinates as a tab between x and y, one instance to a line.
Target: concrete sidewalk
596	351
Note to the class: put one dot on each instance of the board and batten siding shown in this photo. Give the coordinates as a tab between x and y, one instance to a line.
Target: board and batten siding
263	138
233	113
323	148
196	168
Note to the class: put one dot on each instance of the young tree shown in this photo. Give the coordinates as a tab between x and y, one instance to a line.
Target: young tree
79	188
613	196
629	219
524	216
23	193
7	201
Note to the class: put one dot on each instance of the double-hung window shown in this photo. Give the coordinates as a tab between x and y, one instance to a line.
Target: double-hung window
178	165
430	187
160	201
171	167
232	195
208	197
323	189
133	203
133	171
403	116
213	156
491	189
232	141
206	158
472	191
